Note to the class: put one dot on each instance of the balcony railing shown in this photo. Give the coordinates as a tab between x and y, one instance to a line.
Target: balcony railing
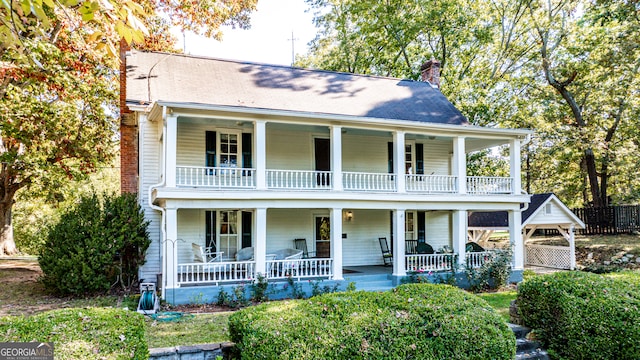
477	259
362	181
218	177
299	268
489	185
241	178
299	179
216	272
432	183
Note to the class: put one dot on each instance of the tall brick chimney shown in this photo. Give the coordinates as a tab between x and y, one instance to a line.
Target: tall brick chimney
430	71
128	132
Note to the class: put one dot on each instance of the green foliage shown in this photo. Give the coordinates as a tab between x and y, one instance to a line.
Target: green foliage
94	245
494	272
237	299
260	289
413	321
92	334
581	315
317	289
295	288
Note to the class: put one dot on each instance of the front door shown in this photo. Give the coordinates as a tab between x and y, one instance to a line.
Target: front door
323	236
322	149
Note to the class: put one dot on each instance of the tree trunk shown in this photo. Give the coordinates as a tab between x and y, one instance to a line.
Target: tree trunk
7	244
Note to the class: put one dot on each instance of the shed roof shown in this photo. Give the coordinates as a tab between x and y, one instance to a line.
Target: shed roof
500	219
154	76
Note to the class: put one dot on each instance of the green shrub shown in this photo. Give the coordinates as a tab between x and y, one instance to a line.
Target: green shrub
93	245
95	333
423	321
580	315
493	274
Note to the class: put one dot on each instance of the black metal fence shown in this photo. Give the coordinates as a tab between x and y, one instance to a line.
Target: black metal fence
624	219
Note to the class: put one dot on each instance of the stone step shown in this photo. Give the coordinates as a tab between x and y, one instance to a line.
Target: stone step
519	330
534	355
524	345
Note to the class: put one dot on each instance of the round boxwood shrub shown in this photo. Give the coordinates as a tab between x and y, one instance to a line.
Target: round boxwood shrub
580	315
414	321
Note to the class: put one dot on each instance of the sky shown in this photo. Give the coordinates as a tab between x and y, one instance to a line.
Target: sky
269	39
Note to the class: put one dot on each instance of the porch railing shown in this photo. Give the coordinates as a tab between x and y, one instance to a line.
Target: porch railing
299	268
219	177
477	259
429	262
299	179
362	181
489	185
213	273
432	183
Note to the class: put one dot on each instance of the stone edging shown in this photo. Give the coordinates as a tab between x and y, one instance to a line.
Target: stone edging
202	351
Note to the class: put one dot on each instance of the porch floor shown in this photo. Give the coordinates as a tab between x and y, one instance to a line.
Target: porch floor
354	271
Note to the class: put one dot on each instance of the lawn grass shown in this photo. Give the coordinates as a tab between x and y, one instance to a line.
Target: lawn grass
500	301
198	329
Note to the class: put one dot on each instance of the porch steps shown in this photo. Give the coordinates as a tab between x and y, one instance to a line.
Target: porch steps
379	282
525	348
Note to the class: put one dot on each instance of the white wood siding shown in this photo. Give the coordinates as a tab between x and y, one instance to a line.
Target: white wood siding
151	150
191	229
365	153
289	150
438	228
361	247
191	144
557	216
437	157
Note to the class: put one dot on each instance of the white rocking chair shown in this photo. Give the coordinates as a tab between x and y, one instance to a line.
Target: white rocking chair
205	256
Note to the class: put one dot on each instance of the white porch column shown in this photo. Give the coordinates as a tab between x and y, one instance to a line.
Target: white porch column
459	163
260	150
514	166
171	144
260	246
399	266
515	236
336	157
171	249
572	249
460	236
398	162
336	242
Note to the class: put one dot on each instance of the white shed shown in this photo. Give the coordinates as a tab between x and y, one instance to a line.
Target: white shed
545	211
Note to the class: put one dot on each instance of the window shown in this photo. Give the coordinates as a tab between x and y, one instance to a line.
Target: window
410	225
228	150
222	231
547	209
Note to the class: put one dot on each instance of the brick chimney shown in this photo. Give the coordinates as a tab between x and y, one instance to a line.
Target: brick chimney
128	132
430	71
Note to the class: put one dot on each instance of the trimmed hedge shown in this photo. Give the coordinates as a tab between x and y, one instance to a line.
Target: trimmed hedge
424	321
95	333
580	315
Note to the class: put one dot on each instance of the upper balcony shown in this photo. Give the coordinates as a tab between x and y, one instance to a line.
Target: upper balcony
266	155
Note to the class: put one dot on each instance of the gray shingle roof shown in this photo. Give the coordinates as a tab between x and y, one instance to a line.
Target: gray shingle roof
153	76
501	218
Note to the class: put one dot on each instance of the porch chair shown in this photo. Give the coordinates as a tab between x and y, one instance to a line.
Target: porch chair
424	248
205	256
245	254
387	256
473	247
301	244
293	266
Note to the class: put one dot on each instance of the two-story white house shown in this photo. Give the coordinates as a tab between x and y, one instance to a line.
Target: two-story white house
227	155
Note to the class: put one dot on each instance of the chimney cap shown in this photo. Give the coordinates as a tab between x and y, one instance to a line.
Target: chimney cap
430	63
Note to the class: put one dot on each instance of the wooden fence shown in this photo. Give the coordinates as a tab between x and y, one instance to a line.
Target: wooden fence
609	220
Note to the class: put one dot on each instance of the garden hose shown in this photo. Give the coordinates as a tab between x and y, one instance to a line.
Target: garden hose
170	316
147	300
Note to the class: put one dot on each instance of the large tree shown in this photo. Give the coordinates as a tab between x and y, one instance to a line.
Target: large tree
58	83
567	69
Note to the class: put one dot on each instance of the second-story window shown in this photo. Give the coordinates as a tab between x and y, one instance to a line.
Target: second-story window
228	150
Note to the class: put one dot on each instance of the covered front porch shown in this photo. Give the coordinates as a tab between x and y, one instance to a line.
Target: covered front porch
339	244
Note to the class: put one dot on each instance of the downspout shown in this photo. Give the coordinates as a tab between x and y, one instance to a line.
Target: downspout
526	140
163	222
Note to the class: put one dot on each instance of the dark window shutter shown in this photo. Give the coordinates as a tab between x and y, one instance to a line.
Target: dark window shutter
421	226
247	145
419	159
390	157
247	222
210	160
210	230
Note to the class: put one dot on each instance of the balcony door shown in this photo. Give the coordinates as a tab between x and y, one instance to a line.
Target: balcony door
323	236
322	152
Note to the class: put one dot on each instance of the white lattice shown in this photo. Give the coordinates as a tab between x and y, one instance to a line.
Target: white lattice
558	257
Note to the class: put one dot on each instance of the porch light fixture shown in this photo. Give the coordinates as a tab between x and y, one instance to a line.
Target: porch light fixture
348	215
